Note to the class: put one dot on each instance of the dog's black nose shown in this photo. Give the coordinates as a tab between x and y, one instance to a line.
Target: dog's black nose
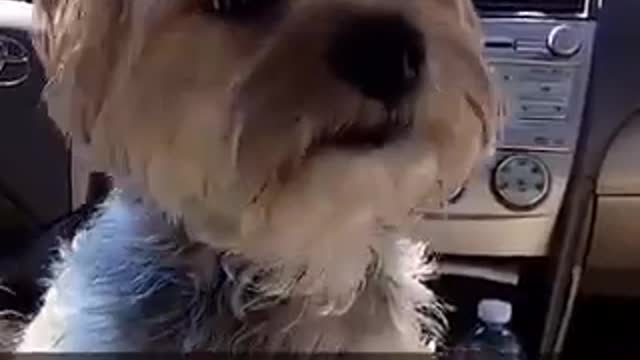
381	56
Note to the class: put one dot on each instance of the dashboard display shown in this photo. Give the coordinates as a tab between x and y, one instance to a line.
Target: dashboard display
546	6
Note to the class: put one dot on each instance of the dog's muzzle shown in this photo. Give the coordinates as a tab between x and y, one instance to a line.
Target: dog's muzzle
374	65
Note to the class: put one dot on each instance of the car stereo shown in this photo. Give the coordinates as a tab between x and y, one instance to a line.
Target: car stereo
540	52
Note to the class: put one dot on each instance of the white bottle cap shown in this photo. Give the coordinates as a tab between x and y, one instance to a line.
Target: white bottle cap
494	311
16	15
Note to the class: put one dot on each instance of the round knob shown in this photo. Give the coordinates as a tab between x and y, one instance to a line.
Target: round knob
4	53
521	182
564	41
14	62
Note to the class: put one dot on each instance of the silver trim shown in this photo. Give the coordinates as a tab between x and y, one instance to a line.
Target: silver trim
512	61
540	15
7	58
534	148
430	215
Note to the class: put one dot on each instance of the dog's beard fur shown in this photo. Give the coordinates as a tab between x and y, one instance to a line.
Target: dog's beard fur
239	129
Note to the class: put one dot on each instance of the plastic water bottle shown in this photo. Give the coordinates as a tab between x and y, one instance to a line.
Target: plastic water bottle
491	339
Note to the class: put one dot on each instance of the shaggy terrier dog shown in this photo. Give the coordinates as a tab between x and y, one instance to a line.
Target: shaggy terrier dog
267	156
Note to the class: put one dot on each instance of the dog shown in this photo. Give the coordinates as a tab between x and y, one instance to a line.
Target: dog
267	156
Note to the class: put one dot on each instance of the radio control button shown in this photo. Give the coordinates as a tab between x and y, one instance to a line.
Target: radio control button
538	73
542	111
531	47
541	141
564	41
544	91
525	186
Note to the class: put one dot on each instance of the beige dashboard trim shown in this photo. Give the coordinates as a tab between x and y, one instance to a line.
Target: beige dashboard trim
613	262
616	234
620	173
514	237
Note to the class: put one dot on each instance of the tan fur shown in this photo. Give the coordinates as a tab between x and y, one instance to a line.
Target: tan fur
214	120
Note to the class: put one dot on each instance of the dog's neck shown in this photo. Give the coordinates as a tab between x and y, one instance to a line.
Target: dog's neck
387	277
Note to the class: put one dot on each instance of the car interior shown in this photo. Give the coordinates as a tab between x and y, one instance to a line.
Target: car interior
550	222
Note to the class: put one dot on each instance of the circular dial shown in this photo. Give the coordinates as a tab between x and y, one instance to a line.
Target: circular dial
14	62
564	41
521	182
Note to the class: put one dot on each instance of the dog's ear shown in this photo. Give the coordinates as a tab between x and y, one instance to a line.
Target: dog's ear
471	14
492	109
54	31
77	42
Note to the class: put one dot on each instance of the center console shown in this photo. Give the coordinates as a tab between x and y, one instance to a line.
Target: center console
495	235
540	52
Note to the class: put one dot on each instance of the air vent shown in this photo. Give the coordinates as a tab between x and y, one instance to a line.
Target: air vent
560	7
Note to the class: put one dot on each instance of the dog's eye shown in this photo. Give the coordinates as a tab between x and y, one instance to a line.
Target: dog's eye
235	8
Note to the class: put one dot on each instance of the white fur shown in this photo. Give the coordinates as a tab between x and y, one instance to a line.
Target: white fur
130	276
224	130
